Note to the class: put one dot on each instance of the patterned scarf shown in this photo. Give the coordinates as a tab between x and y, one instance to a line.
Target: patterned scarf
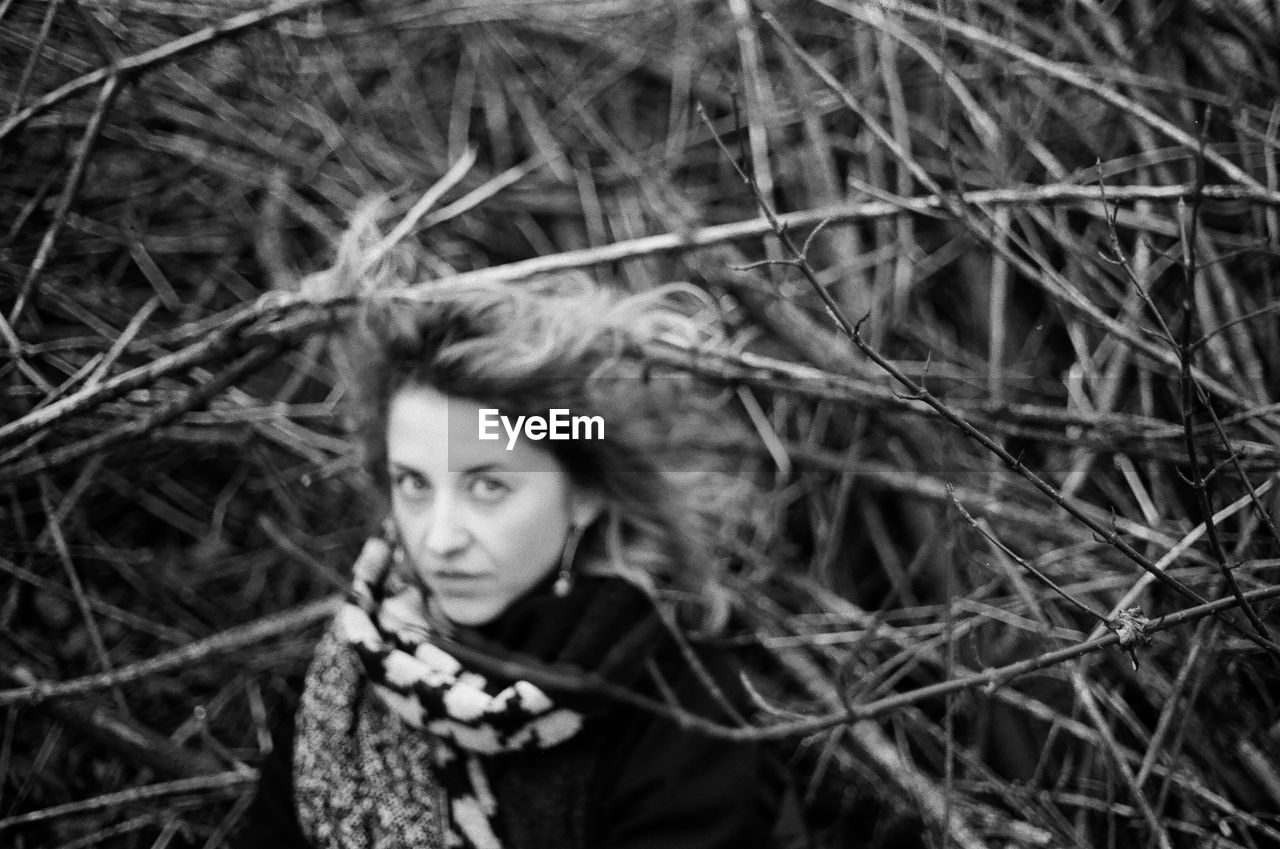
360	781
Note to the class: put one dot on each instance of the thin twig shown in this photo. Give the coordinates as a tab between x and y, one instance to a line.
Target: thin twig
166	413
1064	193
211	346
97	34
77	588
429	198
1235	322
50	12
1173	701
1191	390
157	56
1118	257
183	657
1181	547
1107	534
1234	457
126	336
1186	351
1000	240
1057	70
1021	561
92	130
1200	482
918	392
778	227
230	780
1112	749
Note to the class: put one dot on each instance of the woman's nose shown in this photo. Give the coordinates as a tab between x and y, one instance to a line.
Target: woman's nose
445	532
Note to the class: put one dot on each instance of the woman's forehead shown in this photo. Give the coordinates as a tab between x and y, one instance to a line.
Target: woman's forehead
436	433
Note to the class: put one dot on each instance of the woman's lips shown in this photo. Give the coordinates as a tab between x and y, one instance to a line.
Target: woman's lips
456	583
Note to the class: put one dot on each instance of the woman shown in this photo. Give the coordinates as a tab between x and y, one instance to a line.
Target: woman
510	667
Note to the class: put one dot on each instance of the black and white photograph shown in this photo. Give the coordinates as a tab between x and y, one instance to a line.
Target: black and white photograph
605	424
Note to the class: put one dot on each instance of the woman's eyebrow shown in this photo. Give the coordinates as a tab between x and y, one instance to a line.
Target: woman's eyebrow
491	466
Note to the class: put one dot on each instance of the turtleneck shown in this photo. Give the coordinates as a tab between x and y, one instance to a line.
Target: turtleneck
604	625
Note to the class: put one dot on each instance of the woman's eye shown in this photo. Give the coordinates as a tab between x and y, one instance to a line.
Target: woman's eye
487	489
409	484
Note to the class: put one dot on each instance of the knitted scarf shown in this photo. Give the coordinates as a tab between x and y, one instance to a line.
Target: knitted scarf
394	733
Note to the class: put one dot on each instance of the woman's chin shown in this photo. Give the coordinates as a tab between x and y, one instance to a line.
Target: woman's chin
469	612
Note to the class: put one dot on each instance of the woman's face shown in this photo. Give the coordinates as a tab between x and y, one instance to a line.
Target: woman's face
481	525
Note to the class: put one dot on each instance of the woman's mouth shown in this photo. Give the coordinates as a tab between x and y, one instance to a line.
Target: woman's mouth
456	583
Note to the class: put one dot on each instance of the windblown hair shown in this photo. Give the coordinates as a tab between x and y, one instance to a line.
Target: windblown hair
562	343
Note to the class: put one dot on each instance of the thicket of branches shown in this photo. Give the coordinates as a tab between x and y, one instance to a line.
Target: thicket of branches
1015	580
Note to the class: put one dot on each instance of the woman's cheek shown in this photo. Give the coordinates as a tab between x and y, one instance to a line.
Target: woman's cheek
410	520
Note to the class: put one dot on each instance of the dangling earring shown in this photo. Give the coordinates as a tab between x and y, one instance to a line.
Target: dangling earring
564	581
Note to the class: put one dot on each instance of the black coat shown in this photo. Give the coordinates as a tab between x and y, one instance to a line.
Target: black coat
652	784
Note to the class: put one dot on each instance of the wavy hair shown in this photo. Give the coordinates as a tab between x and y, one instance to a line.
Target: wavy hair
562	342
